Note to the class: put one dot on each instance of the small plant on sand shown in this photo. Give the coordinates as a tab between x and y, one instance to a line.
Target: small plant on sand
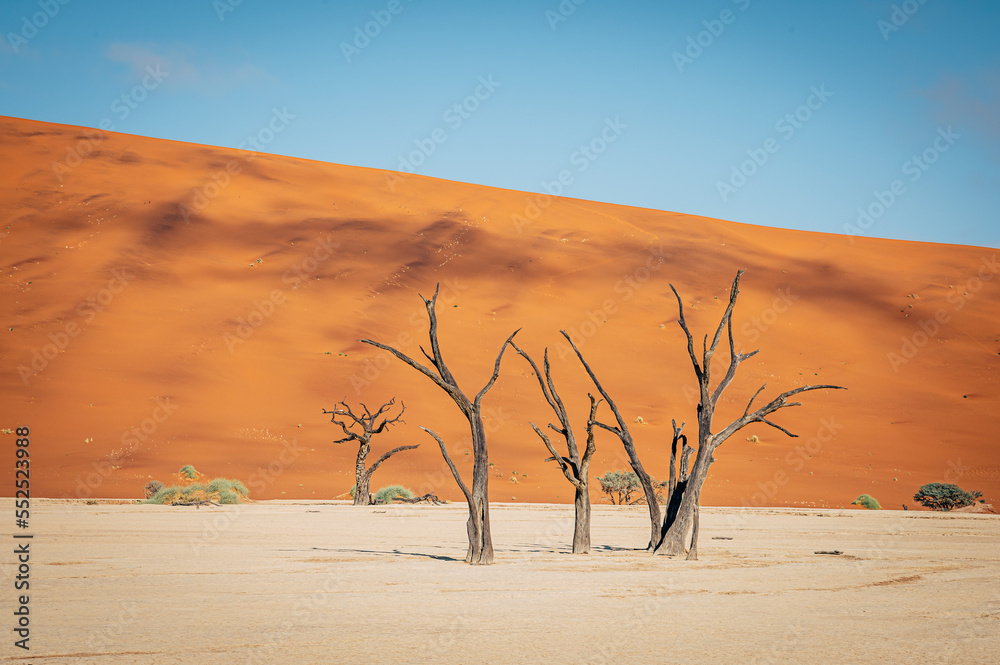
866	501
189	471
944	496
389	493
151	488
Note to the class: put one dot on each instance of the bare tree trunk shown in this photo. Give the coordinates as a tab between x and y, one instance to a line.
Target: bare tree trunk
581	523
480	549
693	552
685	520
680	522
480	539
362	496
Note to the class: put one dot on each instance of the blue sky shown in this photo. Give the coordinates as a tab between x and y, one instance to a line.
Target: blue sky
781	113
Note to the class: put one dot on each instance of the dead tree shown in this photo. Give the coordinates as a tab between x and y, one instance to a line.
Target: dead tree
622	432
575	467
480	543
687	494
362	475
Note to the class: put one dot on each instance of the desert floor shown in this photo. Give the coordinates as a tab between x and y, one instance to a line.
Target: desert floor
315	582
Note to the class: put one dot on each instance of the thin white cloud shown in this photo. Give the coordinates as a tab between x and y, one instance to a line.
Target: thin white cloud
184	67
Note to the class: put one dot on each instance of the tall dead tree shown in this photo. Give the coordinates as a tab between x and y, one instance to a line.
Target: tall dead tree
575	467
622	432
480	542
684	486
684	520
367	420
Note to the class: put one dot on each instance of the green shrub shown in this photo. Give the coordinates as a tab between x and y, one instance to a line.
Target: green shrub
354	490
620	485
388	494
189	471
944	496
220	484
228	496
866	501
164	495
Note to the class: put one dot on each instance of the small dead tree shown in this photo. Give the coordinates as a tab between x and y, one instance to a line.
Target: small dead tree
622	432
480	542
366	421
575	467
687	494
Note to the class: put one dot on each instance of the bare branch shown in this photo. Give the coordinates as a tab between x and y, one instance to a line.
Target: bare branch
437	358
591	447
734	362
690	338
548	444
538	374
389	421
759	416
348	434
555	402
622	426
734	292
613	430
409	361
779	427
496	370
451	465
750	403
382	409
387	455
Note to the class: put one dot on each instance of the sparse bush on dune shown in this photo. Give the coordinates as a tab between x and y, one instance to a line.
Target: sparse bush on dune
867	501
389	493
945	496
188	471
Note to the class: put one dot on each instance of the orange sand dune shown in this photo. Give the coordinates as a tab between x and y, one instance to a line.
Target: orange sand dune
167	304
